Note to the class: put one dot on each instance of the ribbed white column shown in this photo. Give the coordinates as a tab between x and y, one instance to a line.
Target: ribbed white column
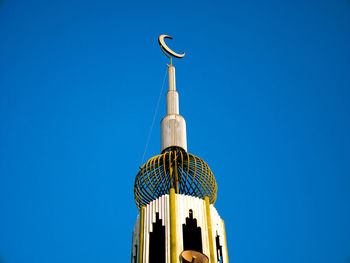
184	203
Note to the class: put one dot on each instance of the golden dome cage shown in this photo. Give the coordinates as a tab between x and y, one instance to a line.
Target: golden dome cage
175	168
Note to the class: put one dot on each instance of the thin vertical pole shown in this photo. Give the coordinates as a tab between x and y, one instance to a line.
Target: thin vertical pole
173	245
176	175
142	214
210	232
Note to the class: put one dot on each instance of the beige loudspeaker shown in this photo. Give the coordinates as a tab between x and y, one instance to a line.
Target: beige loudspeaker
192	256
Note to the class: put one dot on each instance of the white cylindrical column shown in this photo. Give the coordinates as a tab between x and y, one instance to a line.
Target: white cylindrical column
173	125
172	106
171	77
172	97
173	132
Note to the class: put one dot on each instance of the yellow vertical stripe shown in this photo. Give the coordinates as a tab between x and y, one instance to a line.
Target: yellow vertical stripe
173	246
210	233
142	214
223	227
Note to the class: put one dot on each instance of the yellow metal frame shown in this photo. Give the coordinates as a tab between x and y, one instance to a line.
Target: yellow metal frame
186	173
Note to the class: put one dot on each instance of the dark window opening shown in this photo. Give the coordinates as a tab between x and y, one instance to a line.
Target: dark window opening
218	249
157	242
192	236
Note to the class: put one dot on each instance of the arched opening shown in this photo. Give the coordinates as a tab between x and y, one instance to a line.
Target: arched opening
192	236
157	242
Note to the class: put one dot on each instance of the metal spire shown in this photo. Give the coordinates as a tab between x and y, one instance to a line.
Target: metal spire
173	125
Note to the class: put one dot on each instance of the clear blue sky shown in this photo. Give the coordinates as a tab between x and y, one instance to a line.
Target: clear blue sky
264	88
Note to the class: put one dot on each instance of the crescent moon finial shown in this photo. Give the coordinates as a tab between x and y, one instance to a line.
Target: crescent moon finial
167	49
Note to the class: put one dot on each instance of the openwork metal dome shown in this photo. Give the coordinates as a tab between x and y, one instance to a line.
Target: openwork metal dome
175	168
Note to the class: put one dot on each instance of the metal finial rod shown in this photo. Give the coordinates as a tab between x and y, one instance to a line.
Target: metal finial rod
171	60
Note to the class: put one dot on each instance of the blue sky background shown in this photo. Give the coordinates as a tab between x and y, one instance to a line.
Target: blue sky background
264	88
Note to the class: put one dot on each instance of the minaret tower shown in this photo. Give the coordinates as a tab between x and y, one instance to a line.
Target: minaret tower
175	193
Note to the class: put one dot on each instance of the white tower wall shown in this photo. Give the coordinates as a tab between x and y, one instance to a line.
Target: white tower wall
183	204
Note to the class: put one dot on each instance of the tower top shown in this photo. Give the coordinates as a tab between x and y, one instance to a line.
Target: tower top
174	168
